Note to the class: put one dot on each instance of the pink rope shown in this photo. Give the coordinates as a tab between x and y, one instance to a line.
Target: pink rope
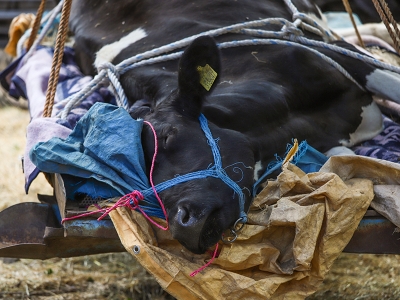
135	196
194	273
151	174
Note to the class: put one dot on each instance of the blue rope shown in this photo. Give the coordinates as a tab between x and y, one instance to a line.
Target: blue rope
215	171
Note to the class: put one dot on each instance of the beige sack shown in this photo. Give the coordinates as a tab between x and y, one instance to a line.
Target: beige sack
298	225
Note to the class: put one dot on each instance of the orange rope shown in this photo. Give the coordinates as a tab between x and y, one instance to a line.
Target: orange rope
57	58
350	12
36	24
386	16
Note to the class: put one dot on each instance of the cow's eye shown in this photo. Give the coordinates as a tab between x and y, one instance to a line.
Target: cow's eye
168	138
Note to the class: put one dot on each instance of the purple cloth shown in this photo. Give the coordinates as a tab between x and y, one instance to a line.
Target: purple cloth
385	146
40	130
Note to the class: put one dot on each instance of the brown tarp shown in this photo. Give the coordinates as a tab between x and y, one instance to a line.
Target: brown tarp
298	225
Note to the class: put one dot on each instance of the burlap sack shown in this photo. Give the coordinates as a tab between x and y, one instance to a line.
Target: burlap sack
298	225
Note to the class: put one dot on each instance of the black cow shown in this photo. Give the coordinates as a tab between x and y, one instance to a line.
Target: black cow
263	97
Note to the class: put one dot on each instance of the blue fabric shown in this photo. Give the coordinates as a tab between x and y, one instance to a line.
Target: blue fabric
341	20
308	159
102	157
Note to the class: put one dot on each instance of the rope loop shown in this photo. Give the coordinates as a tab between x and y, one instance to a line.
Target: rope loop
292	29
113	73
133	199
116	70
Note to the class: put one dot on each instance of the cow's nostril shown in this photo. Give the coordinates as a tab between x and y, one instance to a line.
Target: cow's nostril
183	215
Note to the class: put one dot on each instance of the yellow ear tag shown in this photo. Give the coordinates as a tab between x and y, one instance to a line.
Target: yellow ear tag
207	76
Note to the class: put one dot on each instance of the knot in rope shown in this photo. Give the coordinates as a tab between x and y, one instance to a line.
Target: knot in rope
113	72
291	29
133	199
130	200
109	67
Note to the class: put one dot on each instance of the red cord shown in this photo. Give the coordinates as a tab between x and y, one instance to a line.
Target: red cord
194	273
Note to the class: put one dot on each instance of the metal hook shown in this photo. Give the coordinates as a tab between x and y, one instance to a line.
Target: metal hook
236	224
234	232
231	239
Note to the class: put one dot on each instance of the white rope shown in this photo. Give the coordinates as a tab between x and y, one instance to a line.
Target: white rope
290	35
75	99
293	44
113	73
309	23
308	42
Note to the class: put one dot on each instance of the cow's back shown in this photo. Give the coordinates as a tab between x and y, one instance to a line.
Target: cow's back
99	23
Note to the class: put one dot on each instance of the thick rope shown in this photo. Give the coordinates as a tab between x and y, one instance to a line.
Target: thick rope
36	24
48	20
386	16
353	22
57	58
113	73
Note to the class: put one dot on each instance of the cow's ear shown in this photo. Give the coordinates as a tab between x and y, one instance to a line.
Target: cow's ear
140	109
199	68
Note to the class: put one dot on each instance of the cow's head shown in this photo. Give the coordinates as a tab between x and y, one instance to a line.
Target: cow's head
200	210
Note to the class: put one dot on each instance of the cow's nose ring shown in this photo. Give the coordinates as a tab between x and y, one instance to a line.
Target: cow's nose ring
234	232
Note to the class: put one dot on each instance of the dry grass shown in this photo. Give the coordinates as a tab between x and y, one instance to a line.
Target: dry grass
362	276
13	122
108	276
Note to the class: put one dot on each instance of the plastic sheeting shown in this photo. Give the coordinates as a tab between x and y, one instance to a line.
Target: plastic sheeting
298	225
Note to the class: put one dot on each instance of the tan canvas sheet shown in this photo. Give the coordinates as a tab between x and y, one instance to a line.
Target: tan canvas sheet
298	225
